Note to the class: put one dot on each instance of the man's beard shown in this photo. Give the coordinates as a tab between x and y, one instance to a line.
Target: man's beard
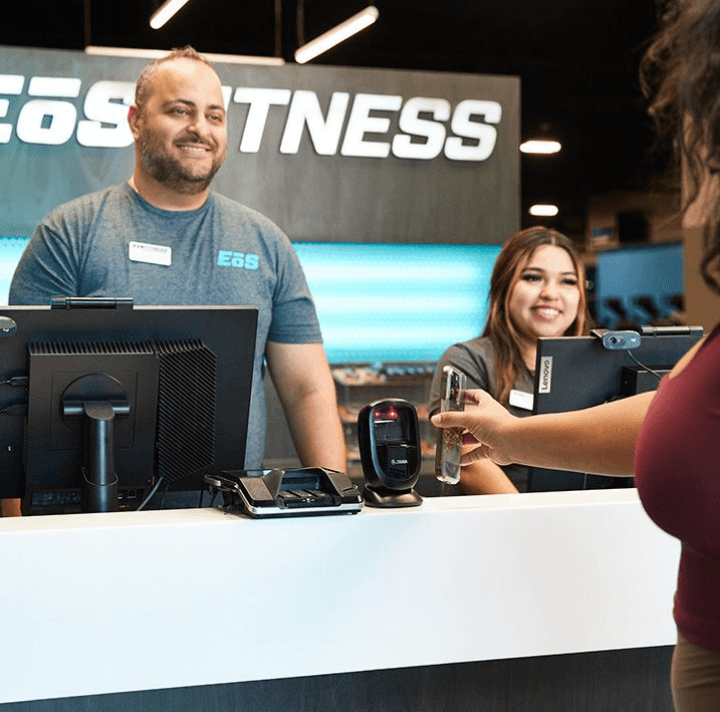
169	171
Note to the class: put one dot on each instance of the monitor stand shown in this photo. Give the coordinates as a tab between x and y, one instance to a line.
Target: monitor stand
100	481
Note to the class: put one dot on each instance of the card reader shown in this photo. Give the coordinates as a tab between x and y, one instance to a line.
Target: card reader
282	493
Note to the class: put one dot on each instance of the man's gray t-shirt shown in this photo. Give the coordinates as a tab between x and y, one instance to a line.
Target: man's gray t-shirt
222	253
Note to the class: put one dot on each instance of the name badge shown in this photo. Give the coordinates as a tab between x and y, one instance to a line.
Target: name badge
150	254
520	399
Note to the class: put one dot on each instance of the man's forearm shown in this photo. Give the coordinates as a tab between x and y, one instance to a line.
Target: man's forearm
306	389
317	433
10	508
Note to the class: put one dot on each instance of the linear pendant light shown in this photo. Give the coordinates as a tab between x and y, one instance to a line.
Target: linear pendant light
338	34
165	12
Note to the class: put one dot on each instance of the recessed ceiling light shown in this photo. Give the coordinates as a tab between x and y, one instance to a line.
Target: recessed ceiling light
543	146
543	210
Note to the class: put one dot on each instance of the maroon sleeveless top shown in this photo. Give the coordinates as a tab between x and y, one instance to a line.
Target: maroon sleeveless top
677	471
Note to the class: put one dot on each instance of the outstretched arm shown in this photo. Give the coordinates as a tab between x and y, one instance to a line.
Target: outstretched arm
306	389
597	440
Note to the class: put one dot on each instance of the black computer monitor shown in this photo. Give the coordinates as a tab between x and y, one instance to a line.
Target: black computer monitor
577	372
90	389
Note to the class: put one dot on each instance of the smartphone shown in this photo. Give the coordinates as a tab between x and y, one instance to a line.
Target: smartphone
449	440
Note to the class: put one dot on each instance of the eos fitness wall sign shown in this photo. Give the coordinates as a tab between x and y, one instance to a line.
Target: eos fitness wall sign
44	111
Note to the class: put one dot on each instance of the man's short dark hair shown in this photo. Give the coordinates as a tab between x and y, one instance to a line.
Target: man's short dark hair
144	81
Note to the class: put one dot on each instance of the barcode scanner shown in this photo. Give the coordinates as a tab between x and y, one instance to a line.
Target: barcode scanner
389	441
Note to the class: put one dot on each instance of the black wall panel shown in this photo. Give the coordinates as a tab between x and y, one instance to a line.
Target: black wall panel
63	133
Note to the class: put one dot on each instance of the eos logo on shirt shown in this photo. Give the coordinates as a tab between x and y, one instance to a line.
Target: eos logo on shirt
226	258
362	125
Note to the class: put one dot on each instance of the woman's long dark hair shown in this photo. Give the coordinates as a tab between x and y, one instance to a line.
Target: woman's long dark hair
499	328
680	75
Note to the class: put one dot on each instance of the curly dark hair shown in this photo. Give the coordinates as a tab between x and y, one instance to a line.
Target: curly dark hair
680	76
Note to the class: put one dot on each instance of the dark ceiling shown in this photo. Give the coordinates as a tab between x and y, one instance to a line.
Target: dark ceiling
577	60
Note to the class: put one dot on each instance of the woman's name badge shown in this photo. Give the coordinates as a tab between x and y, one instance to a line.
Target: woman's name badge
150	254
519	399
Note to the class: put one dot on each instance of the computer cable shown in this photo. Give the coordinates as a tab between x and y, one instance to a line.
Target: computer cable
15	381
151	494
643	366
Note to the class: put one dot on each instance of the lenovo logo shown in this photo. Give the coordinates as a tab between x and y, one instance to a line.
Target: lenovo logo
49	111
546	366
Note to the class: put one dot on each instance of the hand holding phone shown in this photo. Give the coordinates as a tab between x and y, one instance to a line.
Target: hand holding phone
448	449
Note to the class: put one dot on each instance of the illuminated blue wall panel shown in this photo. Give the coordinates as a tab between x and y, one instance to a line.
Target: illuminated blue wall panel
378	302
397	302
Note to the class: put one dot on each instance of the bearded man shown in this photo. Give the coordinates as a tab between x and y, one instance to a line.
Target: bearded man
163	237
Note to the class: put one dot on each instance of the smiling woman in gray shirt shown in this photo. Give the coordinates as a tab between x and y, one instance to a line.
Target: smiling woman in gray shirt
537	288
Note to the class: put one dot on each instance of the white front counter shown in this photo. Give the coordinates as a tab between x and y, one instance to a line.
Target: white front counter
102	603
